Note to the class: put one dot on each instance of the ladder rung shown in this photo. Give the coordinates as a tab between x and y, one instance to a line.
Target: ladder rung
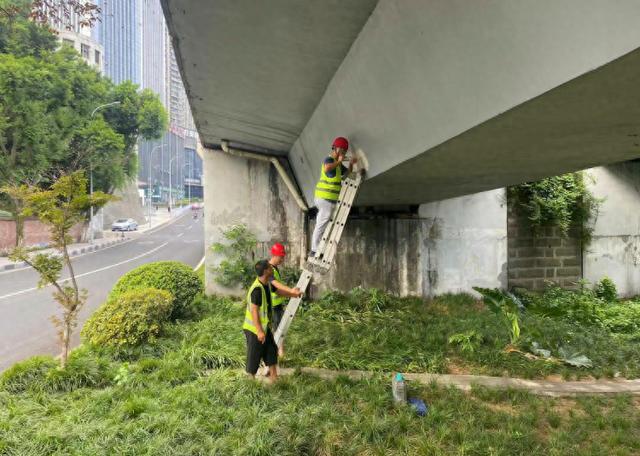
326	250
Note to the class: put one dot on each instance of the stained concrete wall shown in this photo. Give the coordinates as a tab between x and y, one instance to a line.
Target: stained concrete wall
449	247
250	192
615	248
467	245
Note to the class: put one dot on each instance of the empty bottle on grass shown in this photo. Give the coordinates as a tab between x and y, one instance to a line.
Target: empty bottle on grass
399	388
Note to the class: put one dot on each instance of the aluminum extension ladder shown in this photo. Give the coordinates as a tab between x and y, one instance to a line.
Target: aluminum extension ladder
326	252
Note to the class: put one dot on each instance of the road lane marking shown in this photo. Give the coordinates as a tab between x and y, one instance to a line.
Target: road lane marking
199	264
142	233
17	293
180	234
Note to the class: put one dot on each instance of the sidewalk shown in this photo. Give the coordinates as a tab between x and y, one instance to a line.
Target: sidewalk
160	217
465	382
109	238
74	250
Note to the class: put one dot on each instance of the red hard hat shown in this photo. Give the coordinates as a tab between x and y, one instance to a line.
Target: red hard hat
341	142
278	250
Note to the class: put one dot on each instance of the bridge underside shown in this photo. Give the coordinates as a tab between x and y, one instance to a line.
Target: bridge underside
445	98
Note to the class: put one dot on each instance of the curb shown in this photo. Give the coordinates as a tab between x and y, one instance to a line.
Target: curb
467	382
73	252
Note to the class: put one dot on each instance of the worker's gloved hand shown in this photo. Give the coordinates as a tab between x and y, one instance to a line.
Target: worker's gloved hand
261	336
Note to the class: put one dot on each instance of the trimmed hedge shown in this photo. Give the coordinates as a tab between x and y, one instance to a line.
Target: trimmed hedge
177	278
129	318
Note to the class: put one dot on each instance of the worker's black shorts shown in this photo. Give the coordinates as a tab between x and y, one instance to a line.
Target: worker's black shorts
256	351
276	316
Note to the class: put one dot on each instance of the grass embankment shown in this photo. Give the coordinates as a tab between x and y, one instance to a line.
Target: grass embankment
225	413
370	330
185	393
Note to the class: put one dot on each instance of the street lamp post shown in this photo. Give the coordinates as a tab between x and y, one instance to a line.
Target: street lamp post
170	188
149	181
113	103
190	179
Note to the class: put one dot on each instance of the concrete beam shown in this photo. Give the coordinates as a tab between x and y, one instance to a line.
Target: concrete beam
452	97
446	97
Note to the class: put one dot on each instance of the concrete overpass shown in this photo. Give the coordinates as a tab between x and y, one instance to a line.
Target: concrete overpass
445	97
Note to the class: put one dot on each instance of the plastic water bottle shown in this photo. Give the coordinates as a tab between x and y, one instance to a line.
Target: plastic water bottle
399	389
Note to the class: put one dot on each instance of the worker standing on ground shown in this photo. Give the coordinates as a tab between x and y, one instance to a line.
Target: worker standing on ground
261	345
278	302
328	187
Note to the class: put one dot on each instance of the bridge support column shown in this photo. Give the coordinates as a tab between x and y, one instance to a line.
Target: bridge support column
249	192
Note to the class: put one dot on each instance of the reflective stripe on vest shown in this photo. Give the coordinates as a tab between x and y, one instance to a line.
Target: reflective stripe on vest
276	299
328	188
263	311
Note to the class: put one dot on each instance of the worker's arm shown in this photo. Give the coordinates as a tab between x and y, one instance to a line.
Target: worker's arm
331	166
283	290
256	322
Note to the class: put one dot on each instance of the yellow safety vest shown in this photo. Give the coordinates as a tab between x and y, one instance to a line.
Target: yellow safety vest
276	299
263	312
328	188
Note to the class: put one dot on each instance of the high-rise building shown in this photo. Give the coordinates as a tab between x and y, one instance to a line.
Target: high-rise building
120	32
137	47
72	32
154	45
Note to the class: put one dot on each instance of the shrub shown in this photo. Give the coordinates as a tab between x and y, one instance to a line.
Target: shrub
563	201
129	318
582	307
172	276
606	290
237	266
467	341
506	306
622	318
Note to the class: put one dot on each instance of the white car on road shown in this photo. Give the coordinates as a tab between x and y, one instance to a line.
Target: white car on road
124	225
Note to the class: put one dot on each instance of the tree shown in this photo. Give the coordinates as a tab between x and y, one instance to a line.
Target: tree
60	208
52	12
21	36
46	123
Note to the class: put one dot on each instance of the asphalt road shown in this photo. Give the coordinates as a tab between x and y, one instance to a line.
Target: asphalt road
25	310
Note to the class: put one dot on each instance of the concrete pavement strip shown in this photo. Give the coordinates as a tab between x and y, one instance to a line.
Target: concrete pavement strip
466	382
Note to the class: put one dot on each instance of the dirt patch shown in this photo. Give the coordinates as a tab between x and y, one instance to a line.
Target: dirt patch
568	408
456	367
554	378
437	308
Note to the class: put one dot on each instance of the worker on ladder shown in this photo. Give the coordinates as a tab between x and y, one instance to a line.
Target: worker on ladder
328	187
257	327
277	301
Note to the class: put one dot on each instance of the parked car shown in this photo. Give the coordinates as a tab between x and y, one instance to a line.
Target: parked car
124	225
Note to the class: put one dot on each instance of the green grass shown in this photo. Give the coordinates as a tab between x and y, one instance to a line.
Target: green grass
186	393
225	413
200	272
372	331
